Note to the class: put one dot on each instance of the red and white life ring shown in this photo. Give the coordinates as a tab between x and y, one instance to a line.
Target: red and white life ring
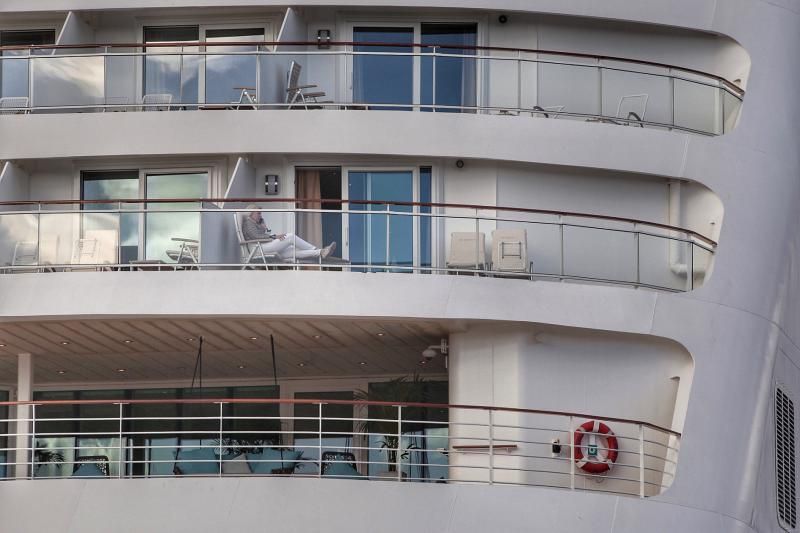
606	455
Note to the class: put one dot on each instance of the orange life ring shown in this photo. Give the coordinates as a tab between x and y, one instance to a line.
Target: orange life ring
606	455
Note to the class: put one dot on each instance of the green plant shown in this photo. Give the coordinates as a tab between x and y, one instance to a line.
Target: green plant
45	455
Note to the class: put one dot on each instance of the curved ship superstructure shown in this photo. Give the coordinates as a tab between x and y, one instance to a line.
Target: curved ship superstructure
494	266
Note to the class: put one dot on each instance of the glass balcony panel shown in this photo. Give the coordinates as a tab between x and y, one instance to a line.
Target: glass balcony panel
60	235
503	77
660	260
731	108
19	237
698	106
161	228
14	73
573	86
599	254
231	70
120	89
625	92
455	77
68	80
381	74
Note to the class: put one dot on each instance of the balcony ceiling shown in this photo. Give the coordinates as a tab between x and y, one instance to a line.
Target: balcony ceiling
92	351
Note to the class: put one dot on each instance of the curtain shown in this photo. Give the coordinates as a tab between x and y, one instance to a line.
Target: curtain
309	225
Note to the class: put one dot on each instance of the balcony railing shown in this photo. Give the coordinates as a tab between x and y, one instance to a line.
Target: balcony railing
373	236
433	78
412	442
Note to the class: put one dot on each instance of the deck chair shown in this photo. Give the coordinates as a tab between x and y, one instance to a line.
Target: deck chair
96	249
340	465
251	251
632	108
14	105
156	102
510	250
247	98
296	94
467	250
26	253
550	111
188	251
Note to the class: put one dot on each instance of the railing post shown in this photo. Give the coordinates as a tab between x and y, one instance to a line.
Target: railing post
319	436
121	446
641	461
33	441
433	82
491	447
571	454
388	223
690	272
397	458
636	237
561	244
221	406
39	235
477	241
672	94
180	79
30	79
519	82
600	85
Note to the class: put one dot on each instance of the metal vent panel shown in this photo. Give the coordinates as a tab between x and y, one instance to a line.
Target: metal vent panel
785	464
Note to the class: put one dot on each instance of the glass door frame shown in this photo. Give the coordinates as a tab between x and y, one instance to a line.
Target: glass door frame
415	189
348	71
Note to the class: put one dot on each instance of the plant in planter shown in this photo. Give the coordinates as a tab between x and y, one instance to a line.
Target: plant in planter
45	456
382	419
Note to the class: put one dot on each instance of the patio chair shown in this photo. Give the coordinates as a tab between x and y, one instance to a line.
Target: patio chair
251	251
95	466
26	253
632	108
467	250
187	253
510	250
95	249
296	94
156	102
116	104
14	105
340	465
547	111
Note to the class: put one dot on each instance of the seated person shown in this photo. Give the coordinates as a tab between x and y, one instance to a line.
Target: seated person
286	246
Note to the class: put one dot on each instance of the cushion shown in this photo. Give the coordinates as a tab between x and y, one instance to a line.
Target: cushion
236	465
197	461
270	459
88	470
343	470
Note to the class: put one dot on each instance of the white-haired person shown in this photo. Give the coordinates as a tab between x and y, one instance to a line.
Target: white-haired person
287	246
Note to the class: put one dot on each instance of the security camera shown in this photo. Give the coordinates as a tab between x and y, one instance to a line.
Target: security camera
432	351
429	353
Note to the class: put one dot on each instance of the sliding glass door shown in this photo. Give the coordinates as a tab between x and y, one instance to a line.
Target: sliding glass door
384	79
161	228
454	78
166	70
112	185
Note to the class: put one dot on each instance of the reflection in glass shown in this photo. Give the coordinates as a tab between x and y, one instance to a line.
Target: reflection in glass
227	75
425	223
368	232
379	79
160	228
455	76
337	435
117	185
166	70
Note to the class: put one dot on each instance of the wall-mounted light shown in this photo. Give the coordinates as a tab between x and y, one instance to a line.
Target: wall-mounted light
502	19
323	39
460	163
271	184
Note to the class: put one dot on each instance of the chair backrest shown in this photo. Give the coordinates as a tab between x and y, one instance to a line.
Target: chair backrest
292	82
245	247
331	458
467	249
632	106
117	103
85	252
25	253
510	250
13	105
157	102
107	250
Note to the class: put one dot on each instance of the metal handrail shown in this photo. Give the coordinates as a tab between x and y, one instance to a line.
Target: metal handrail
598	57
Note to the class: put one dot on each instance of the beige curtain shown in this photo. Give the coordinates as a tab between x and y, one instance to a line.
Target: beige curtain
309	225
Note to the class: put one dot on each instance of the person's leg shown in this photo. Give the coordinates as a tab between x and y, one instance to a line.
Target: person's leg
301	254
276	246
299	243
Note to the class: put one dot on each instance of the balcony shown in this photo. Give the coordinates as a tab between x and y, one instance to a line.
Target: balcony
366	76
416	238
335	438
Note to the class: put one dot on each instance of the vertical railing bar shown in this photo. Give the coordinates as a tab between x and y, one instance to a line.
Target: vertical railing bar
30	79
221	406
319	437
491	447
39	235
477	241
433	82
397	457
119	233
600	84
519	82
636	237
571	454
388	222
672	92
121	448
690	273
641	461
180	78
33	441
561	243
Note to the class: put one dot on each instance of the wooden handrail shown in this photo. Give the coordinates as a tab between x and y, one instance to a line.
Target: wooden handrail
599	57
311	401
575	214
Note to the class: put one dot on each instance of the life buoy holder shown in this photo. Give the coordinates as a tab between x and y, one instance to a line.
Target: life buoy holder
604	457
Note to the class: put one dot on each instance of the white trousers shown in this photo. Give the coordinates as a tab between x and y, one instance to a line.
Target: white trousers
286	248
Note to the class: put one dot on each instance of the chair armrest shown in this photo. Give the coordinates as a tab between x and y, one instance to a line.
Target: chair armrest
256	241
179	239
299	87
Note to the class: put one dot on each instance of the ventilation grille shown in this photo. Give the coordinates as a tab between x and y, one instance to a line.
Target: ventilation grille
785	460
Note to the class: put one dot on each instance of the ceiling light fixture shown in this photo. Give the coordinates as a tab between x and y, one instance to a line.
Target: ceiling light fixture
242	367
380	334
317	336
301	365
64	343
62	372
253	338
128	341
122	370
362	363
190	339
2	345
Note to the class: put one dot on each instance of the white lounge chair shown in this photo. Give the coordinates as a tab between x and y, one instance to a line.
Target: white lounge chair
188	252
251	251
13	105
632	108
297	94
467	250
96	249
550	111
510	250
156	102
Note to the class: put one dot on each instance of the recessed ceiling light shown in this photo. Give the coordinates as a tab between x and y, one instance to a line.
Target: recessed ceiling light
190	339
2	345
62	371
317	336
127	341
64	343
301	365
242	367
362	363
381	334
121	370
253	338
423	362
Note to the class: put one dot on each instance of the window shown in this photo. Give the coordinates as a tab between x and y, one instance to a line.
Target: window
172	74
14	63
785	460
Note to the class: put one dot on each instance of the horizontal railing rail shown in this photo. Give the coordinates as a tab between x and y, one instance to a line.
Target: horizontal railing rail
709	113
377	440
383	236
